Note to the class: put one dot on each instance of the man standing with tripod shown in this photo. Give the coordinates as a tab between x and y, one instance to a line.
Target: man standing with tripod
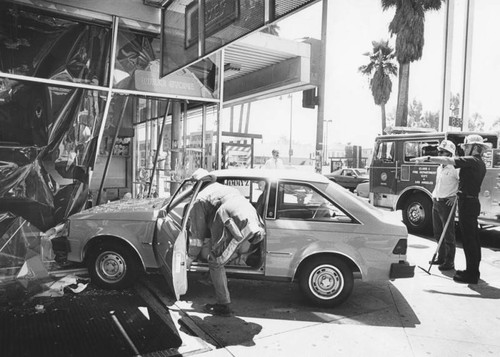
472	172
443	198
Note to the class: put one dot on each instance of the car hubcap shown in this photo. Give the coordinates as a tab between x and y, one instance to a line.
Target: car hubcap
110	266
416	213
326	281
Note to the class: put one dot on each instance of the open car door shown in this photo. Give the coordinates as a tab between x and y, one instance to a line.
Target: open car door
170	242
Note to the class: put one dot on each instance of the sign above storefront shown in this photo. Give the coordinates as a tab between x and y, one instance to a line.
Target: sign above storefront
218	15
181	83
224	21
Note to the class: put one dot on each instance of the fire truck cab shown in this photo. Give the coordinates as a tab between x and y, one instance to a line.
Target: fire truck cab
397	183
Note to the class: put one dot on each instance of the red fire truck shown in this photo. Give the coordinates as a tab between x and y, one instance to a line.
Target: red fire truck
399	184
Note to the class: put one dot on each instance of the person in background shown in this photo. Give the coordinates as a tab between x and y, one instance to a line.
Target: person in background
224	217
143	181
275	162
472	172
443	198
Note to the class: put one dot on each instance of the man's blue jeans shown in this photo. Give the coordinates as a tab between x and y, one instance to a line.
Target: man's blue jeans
440	213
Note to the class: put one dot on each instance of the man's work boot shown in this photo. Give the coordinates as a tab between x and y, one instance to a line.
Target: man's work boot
467	278
219	309
446	266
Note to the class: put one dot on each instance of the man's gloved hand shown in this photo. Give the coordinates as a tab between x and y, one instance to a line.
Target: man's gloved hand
450	201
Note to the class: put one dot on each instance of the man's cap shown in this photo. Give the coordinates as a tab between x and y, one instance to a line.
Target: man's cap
198	174
475	139
447	145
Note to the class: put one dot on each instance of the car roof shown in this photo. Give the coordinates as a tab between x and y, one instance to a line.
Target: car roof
285	174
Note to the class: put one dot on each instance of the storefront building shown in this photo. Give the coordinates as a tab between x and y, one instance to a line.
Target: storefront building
97	103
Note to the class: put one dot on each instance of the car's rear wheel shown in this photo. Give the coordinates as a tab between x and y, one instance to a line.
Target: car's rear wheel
112	266
326	281
417	214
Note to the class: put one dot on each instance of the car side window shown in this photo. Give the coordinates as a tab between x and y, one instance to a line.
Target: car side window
303	202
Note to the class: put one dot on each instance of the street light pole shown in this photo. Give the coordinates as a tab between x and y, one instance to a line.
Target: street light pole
325	155
321	92
290	151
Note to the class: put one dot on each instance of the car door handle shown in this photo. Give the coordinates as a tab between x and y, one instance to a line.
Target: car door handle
279	253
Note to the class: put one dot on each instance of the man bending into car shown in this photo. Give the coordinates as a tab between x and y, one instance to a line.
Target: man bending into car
223	216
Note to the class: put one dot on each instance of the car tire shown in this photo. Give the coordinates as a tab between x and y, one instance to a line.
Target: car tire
417	214
326	281
112	266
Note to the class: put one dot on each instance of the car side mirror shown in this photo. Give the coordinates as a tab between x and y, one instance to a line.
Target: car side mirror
162	213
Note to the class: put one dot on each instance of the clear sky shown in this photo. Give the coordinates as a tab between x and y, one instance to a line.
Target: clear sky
349	106
352	26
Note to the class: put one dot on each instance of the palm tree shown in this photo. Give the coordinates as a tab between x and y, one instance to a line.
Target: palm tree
273	29
382	66
408	26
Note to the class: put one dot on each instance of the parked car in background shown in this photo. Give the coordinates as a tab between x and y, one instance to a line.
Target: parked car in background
363	189
349	178
317	234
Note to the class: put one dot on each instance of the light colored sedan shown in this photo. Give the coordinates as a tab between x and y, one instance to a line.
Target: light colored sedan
317	234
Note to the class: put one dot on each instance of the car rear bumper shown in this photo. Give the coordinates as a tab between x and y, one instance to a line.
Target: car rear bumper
403	269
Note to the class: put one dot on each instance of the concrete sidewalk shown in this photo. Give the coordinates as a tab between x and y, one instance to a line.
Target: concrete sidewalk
429	315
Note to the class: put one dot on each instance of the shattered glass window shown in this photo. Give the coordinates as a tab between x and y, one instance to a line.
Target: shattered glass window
46	153
19	242
44	46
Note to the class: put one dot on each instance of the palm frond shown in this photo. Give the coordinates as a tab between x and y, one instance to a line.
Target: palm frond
386	4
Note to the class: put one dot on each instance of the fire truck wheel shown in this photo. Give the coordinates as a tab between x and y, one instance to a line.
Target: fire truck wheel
417	214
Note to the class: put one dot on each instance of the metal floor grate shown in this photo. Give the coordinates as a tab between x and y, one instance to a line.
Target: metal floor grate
82	325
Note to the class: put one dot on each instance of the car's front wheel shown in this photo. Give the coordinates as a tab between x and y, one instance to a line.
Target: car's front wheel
326	281
112	266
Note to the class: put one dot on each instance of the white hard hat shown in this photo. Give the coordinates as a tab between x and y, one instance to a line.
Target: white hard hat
475	139
198	174
448	146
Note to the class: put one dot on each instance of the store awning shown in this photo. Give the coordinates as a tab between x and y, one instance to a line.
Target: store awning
262	65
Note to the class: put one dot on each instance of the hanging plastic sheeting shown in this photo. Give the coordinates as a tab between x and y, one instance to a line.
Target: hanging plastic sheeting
45	46
44	185
48	134
30	188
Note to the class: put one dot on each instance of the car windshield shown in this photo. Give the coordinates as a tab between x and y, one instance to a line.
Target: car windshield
331	189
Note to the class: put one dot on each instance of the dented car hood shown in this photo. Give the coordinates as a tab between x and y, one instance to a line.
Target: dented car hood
130	210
